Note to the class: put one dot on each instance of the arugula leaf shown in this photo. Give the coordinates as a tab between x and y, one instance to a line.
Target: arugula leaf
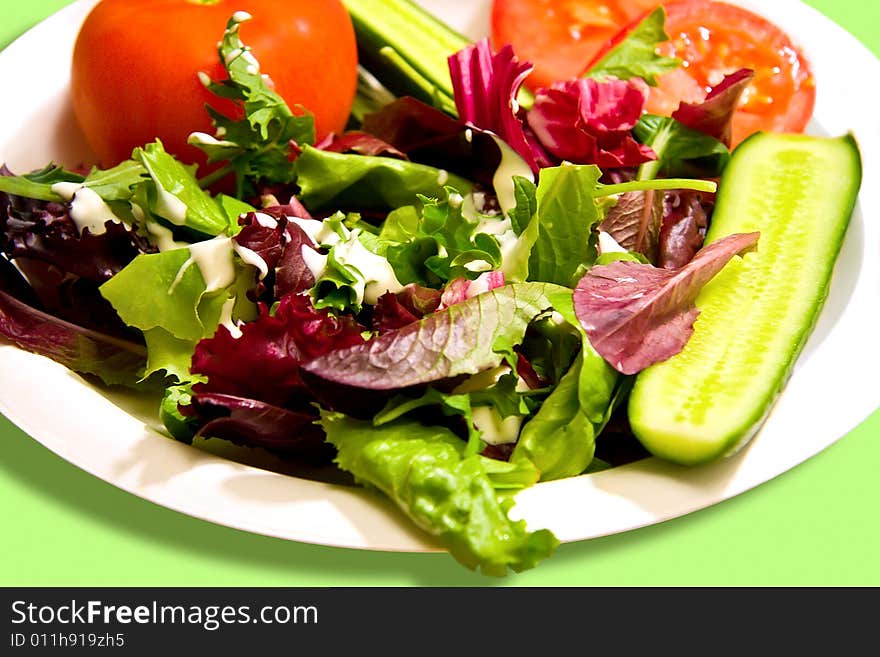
257	146
680	150
636	56
426	473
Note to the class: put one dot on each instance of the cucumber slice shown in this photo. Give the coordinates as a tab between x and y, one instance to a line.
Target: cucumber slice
706	402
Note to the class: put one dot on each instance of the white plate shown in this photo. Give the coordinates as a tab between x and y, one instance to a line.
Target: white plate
115	437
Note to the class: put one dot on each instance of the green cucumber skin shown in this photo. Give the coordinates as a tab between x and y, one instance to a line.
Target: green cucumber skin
421	39
833	177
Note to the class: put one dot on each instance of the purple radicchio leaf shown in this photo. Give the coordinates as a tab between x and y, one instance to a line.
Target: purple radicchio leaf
714	115
683	231
252	423
636	315
635	222
585	121
486	86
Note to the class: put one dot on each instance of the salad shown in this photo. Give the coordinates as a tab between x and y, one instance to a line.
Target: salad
422	300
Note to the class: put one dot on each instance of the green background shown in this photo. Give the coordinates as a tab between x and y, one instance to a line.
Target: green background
815	525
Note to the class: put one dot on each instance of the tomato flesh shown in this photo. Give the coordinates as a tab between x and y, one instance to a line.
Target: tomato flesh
714	39
560	36
135	67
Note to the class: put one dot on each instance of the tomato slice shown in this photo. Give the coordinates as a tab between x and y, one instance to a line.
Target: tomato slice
560	36
714	39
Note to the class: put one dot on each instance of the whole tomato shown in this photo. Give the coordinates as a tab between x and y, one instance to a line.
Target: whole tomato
134	75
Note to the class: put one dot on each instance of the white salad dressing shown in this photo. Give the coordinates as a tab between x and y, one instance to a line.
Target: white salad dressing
376	274
251	257
169	207
87	208
215	261
607	244
226	319
321	233
496	430
162	237
511	165
315	261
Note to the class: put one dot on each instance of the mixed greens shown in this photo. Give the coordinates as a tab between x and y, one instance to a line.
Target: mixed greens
449	300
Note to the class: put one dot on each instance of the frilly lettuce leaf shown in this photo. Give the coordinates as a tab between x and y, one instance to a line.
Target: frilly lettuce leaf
423	470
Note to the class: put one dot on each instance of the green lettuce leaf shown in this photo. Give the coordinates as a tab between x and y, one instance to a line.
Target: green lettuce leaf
424	471
177	197
166	296
636	56
363	182
567	217
680	150
560	440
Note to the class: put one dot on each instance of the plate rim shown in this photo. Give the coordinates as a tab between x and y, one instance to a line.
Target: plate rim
401	536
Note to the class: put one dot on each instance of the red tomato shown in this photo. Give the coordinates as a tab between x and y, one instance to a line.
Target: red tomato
560	36
714	39
135	65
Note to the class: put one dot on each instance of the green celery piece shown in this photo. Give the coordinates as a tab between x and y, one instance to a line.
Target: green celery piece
426	473
345	180
178	190
636	56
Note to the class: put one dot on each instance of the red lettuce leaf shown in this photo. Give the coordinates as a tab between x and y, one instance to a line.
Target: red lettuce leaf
43	230
111	359
685	221
265	361
394	311
467	338
589	122
635	222
363	143
280	247
636	315
714	115
252	423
